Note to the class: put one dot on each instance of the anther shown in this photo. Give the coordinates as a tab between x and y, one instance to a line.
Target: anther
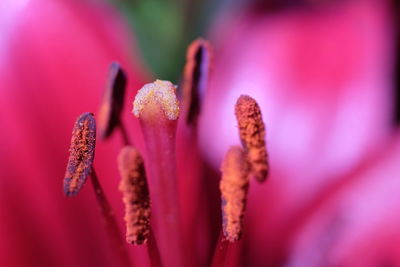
196	76
81	155
234	186
252	135
135	191
113	101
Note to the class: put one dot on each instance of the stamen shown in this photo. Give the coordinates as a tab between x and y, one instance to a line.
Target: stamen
234	186
196	75
220	252
198	195
113	101
80	166
156	106
134	187
198	212
153	252
81	154
227	253
136	197
158	94
111	225
124	133
252	135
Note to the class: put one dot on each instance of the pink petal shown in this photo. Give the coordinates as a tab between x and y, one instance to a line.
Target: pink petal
322	79
357	225
54	62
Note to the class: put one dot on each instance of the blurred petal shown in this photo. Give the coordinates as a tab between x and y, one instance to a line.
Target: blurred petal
357	225
322	80
54	60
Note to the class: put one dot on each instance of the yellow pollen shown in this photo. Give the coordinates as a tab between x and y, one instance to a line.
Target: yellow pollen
161	92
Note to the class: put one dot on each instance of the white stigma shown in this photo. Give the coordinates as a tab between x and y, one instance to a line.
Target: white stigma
162	92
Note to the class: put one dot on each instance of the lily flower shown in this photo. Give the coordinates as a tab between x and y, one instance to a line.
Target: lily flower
317	80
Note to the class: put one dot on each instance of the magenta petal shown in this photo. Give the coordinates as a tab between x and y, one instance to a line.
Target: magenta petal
322	80
54	61
358	224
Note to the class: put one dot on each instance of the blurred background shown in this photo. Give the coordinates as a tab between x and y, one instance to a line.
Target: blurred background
164	28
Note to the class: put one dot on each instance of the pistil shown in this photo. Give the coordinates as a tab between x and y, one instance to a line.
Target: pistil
157	108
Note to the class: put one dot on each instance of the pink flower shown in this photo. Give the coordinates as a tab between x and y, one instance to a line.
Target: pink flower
321	78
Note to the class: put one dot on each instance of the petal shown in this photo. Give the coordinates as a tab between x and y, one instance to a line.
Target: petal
356	224
322	80
54	62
